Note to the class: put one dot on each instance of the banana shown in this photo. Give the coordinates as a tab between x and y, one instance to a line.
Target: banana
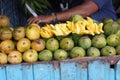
45	34
96	29
48	31
100	27
71	26
78	27
86	26
64	29
89	20
59	30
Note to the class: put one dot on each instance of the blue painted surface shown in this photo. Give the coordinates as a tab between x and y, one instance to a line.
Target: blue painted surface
68	71
27	72
81	71
112	74
43	71
2	73
98	71
117	70
56	73
95	70
14	72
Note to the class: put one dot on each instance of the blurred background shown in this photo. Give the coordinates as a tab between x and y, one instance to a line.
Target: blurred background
15	11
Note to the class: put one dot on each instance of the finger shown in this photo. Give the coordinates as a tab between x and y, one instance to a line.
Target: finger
39	21
30	20
35	20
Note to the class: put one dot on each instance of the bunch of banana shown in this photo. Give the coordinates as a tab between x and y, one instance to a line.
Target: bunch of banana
79	27
39	6
46	31
86	26
60	29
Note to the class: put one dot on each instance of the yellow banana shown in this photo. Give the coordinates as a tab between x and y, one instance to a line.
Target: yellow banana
45	34
71	26
96	31
58	30
100	27
86	26
64	29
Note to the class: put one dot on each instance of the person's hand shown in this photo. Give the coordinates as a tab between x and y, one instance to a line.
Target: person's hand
40	19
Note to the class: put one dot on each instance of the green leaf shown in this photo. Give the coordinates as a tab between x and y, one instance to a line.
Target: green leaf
75	38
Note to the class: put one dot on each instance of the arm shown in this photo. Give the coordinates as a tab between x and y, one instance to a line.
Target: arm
86	9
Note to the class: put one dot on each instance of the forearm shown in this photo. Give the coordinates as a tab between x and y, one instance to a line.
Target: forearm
86	9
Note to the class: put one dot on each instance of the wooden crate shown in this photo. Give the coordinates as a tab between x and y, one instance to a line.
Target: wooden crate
102	68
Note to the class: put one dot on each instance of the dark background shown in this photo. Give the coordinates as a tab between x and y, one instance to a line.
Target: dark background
14	10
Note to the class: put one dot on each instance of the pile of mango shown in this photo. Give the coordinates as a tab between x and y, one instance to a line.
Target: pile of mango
74	39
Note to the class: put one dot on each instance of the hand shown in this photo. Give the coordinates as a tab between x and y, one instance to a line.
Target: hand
40	19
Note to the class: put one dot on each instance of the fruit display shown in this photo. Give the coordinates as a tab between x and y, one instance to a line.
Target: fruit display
75	39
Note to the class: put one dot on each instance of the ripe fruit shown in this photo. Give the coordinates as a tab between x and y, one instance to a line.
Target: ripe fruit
76	17
45	55
52	44
118	21
33	32
107	20
5	33
60	54
23	44
108	51
98	41
3	58
19	33
38	44
14	57
30	55
113	40
77	52
110	28
118	34
118	49
93	52
4	21
66	44
84	42
7	46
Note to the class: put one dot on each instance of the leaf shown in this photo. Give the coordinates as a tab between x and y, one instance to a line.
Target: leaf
75	38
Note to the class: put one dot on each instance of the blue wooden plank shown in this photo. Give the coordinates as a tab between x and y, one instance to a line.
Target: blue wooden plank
117	71
82	71
2	73
98	70
56	74
43	71
112	74
14	72
27	71
68	71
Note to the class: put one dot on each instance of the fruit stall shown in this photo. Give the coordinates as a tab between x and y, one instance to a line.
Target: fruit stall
78	49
